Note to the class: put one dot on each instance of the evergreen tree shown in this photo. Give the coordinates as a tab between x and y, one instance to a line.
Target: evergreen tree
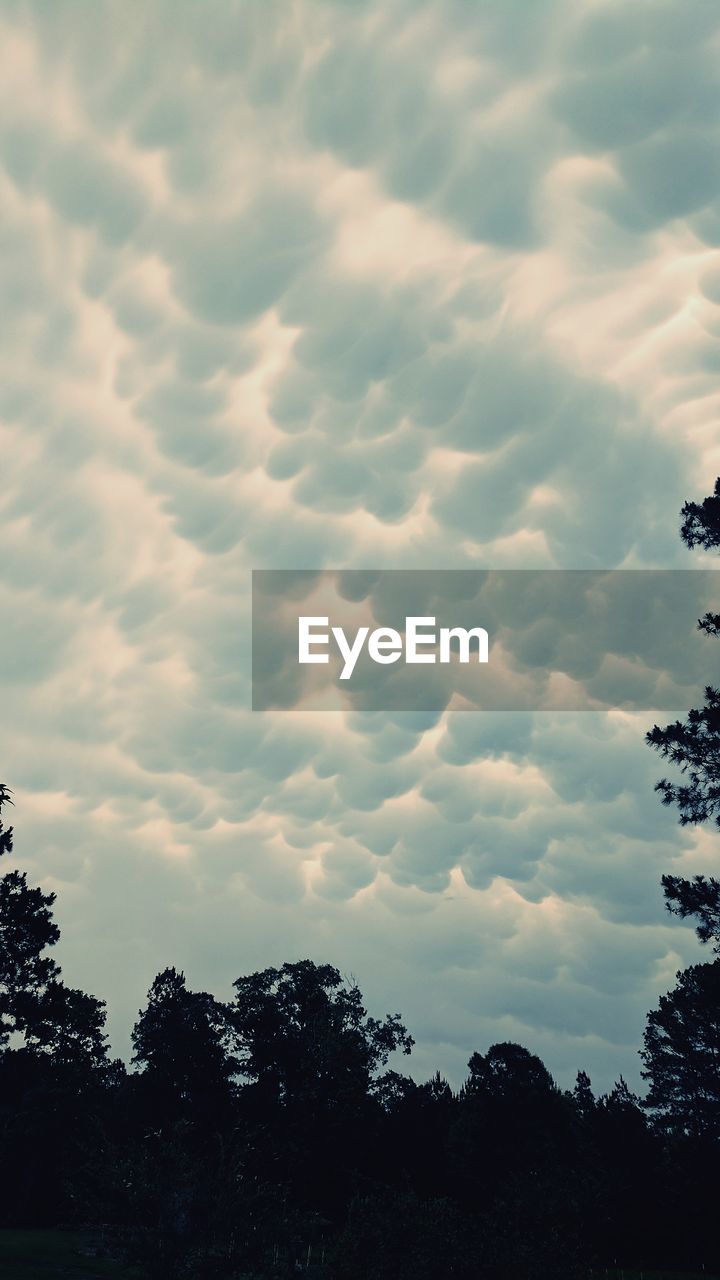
681	1054
694	747
699	897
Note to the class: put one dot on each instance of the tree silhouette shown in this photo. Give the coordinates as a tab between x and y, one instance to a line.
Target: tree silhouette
310	1054
27	930
681	1056
694	745
182	1042
681	1053
54	1072
701	521
699	897
510	1072
6	834
69	1026
304	1034
583	1095
53	1019
265	1135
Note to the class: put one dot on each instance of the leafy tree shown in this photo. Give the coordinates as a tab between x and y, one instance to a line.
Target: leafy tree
53	1019
514	1156
310	1053
27	930
53	1064
508	1071
69	1026
182	1043
304	1034
511	1107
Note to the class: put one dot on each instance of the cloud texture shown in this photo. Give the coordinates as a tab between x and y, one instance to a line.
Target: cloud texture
411	284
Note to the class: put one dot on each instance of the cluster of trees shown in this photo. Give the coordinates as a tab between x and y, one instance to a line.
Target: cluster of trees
264	1136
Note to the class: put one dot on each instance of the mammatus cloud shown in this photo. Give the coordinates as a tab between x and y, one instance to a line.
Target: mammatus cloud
404	285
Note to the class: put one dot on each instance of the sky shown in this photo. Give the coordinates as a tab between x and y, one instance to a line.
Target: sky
353	284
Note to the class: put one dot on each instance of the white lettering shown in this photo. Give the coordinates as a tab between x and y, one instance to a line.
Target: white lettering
385	645
464	637
350	654
305	639
413	639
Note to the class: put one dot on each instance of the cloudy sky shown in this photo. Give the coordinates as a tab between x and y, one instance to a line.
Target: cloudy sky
374	283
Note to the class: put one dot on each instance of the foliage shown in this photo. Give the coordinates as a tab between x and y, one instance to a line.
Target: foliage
182	1045
304	1034
701	521
699	897
682	1053
694	745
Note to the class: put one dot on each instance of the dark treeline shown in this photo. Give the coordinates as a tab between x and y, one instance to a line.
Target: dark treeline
260	1133
264	1135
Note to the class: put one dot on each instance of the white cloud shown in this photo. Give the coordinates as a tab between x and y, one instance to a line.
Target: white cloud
409	284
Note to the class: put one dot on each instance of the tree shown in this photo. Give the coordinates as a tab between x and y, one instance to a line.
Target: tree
53	1019
304	1034
27	929
182	1042
53	1064
698	897
310	1053
694	747
681	1054
6	834
69	1026
509	1071
701	521
511	1107
514	1160
583	1096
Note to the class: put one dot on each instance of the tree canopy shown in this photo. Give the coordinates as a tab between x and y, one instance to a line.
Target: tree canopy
304	1033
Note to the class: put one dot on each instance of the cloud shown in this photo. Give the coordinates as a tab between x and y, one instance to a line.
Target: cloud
348	285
